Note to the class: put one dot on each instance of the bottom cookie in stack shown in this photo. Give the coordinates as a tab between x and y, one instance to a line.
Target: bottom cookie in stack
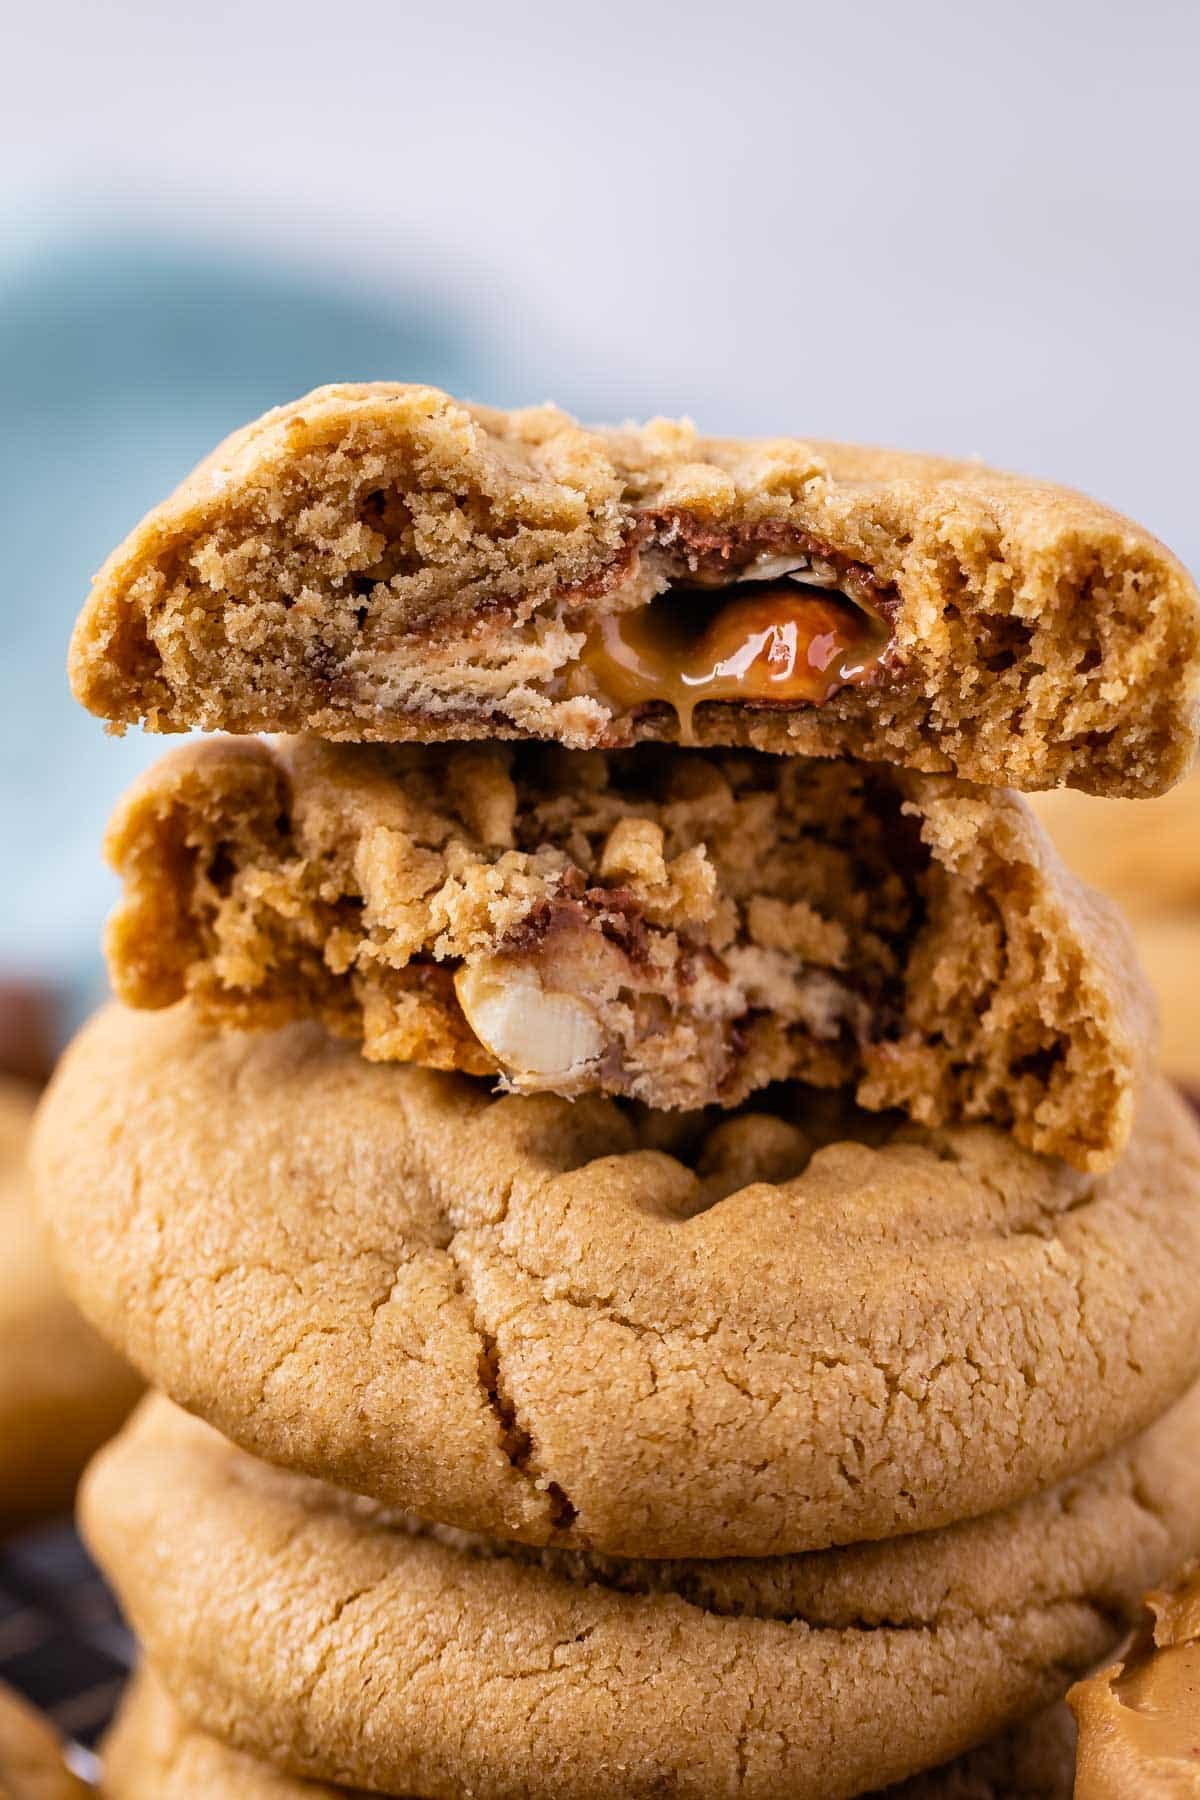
343	1643
152	1753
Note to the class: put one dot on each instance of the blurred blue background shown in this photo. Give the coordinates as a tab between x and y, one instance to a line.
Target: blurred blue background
931	225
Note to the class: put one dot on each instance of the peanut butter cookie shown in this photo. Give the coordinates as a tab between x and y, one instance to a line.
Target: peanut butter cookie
677	927
152	1753
350	1644
1139	1720
62	1390
581	1323
31	1755
384	563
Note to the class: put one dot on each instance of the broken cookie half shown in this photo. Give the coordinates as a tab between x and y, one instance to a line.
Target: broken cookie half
681	928
382	563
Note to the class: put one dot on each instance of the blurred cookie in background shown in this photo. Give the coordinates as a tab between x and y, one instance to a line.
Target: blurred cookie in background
62	1391
1146	858
31	1755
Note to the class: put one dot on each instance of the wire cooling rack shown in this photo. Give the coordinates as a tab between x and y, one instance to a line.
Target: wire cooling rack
63	1643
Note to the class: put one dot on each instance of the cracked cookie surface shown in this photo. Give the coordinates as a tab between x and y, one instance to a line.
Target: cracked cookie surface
383	563
344	1642
153	1753
681	928
31	1755
62	1390
582	1323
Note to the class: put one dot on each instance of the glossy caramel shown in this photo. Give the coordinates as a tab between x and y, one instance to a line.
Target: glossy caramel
780	643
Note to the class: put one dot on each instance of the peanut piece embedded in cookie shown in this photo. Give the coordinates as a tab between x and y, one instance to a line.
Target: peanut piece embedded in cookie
675	927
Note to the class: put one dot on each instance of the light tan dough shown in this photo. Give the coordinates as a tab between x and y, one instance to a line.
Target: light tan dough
344	1644
525	1316
382	562
152	1753
677	927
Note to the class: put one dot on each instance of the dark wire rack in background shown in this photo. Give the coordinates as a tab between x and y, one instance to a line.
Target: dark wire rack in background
63	1643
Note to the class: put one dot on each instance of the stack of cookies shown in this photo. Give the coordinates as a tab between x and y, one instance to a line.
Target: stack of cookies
637	1174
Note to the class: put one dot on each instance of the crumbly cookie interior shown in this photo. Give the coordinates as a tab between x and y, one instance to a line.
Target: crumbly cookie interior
678	928
384	564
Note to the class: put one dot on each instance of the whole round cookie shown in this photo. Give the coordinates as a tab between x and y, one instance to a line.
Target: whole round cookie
351	1644
62	1390
152	1753
580	1324
31	1755
524	1316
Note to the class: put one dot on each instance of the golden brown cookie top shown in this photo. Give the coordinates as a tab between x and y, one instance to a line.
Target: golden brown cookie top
1139	1719
383	562
580	1323
31	1755
679	927
313	1627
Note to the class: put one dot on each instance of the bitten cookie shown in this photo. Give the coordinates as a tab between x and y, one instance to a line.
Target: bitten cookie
349	1644
382	563
152	1753
676	927
62	1390
1139	1720
31	1755
577	1322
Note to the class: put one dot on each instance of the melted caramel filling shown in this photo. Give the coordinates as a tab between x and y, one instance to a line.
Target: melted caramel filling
778	643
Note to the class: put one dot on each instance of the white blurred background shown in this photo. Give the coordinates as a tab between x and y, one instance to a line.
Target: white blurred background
943	226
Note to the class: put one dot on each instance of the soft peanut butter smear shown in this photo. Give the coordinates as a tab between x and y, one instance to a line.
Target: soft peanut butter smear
1162	1697
782	644
1139	1722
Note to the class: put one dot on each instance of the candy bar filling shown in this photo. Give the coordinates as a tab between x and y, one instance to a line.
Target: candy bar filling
780	630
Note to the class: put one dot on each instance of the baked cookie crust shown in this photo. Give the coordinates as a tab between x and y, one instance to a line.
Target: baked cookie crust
152	1753
678	927
345	1643
579	1323
383	563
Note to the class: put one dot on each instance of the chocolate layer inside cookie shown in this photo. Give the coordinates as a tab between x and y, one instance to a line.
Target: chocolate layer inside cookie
688	615
678	928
